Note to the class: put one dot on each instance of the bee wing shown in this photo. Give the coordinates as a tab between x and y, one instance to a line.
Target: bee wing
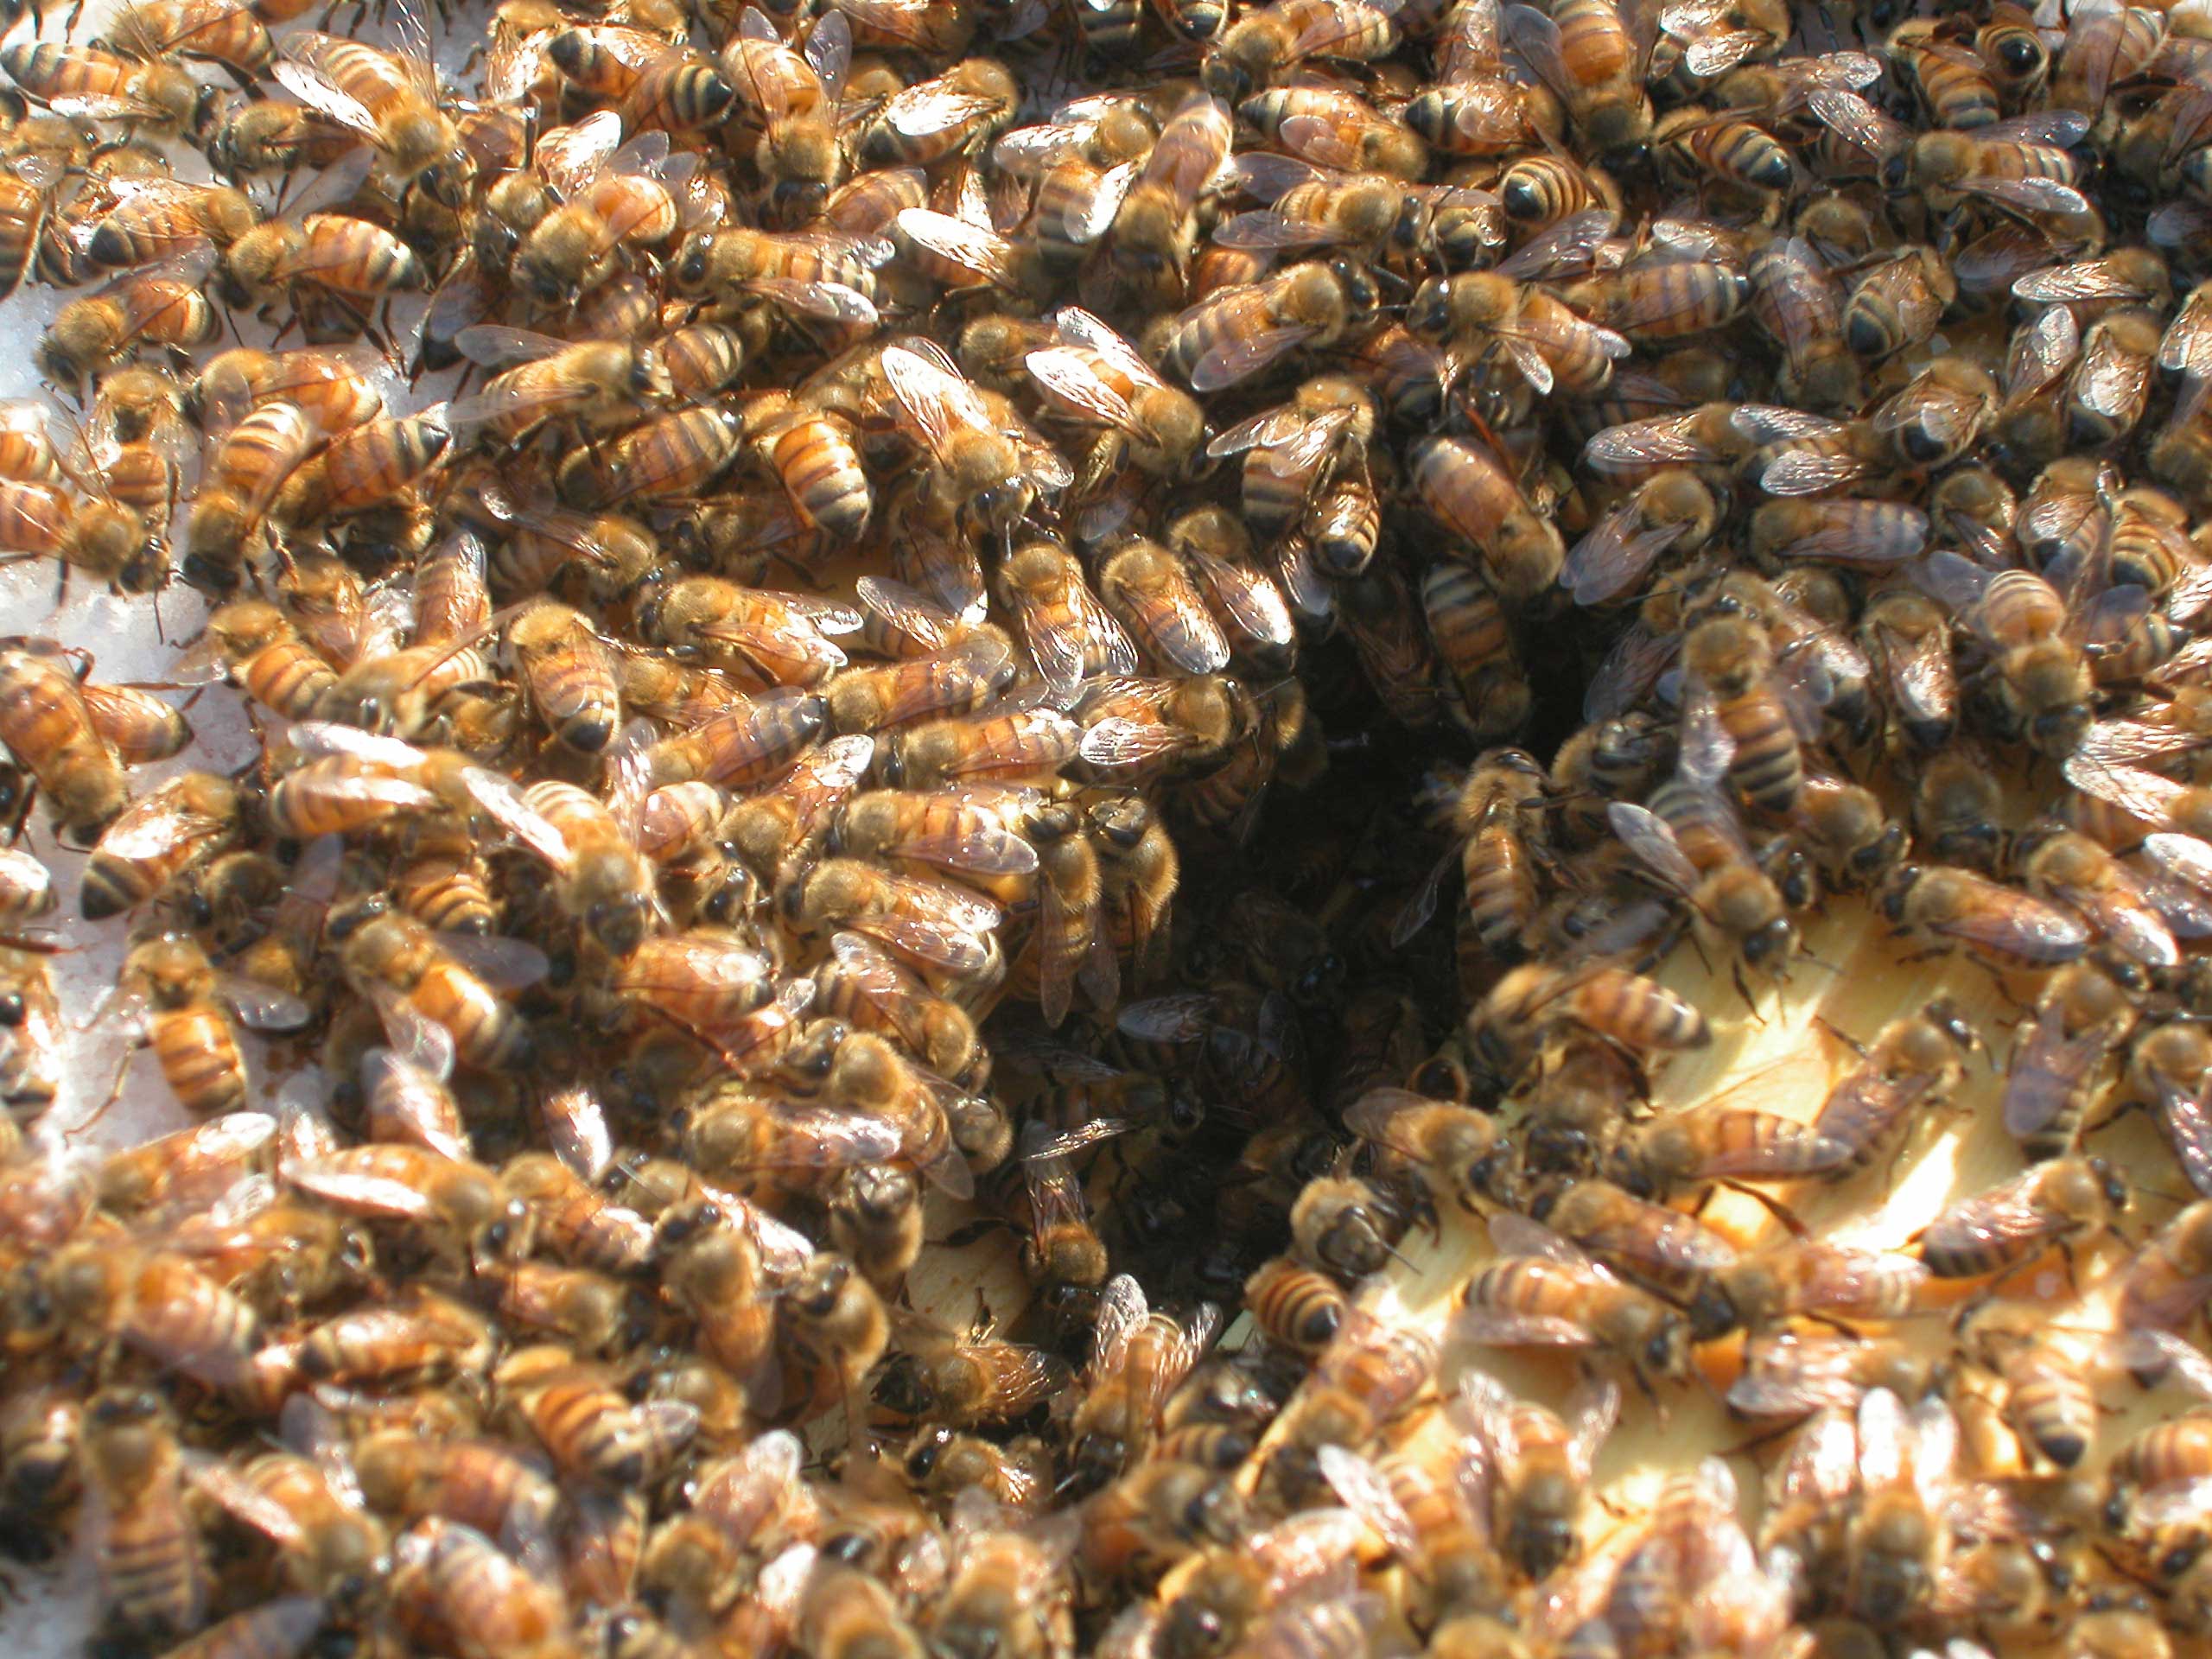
1180	1018
2034	195
1921	675
938	403
1853	118
831	301
1566	247
2186	1114
2163	1354
263	1007
985	849
1267	228
2080	279
1367	1495
1591	1411
1117	741
1656	441
1249	599
1706	745
2145	794
2186	348
907	609
2124	916
1236	356
1612	557
1266	175
817	1137
1651	839
1066	373
2109	380
297	72
927	110
1517	1235
1292	441
1043	1144
1122	1308
944	944
1491	1327
1079	327
2024	927
505	965
1793	1376
2185	910
352	1183
1806	471
419	1039
237	1497
1952	578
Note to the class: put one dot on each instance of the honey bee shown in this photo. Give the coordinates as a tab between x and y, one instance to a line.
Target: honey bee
266	135
1138	1358
159	305
1093	375
1005	1598
360	470
1508	1027
1543	1290
91	83
1152	229
1896	302
1665	299
1472	106
156	219
455	1586
1299	1306
659	87
983	471
157	840
2082	1019
795	97
1541	1465
1805	1277
153	1571
391	98
1956	904
570	675
1083	161
679	453
875	1219
964	1382
1272	40
1906	636
48	729
96	534
1235	333
956	113
461	1206
1469	491
2022	162
171	990
157	1302
1645	1240
31	1033
1452	1150
1689	840
437	1009
950	1138
612	201
1549	343
541	379
843	1613
2164	1284
746	745
1916	1062
813	451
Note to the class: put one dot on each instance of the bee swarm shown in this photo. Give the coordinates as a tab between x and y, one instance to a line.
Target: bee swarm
1159	828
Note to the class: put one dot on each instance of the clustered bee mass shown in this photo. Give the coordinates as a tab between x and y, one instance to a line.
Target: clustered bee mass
910	699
